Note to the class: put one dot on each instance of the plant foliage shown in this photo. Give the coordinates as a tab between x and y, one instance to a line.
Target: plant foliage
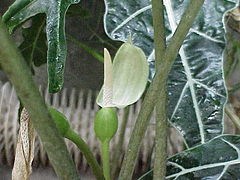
55	10
196	87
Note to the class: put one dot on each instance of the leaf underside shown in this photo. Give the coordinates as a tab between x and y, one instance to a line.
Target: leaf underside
196	87
55	10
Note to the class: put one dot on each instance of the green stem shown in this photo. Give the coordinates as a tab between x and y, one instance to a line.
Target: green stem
159	31
97	170
161	127
103	41
88	49
160	158
106	159
119	147
156	87
20	76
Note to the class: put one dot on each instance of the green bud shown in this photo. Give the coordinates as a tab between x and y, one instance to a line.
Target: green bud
60	120
105	124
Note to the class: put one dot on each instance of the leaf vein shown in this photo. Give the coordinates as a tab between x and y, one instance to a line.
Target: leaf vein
131	17
173	26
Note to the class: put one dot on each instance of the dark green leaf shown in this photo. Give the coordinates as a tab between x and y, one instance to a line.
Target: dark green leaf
196	87
34	47
78	11
21	10
215	160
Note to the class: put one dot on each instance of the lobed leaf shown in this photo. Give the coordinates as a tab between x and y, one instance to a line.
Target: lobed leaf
55	10
196	87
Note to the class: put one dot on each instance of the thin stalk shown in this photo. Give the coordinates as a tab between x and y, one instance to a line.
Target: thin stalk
156	88
103	41
119	147
106	159
20	76
161	127
84	148
88	49
160	158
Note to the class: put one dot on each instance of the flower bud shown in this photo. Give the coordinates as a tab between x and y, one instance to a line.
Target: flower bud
60	120
105	124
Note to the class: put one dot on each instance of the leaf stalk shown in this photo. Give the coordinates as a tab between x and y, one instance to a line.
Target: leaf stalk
160	158
106	159
84	148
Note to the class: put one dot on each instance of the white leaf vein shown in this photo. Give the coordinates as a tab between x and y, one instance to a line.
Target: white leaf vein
179	100
207	166
225	164
132	16
234	147
223	172
204	35
173	26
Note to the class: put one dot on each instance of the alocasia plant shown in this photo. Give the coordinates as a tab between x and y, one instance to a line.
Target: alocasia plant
196	86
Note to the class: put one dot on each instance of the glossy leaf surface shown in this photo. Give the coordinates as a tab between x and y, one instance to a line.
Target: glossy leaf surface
55	10
215	160
196	87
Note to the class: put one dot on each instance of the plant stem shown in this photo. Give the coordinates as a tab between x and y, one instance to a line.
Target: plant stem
97	170
156	87
160	158
103	41
106	159
161	127
20	76
159	30
119	147
88	49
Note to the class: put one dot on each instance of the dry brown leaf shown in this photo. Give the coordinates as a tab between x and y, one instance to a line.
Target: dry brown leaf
25	149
